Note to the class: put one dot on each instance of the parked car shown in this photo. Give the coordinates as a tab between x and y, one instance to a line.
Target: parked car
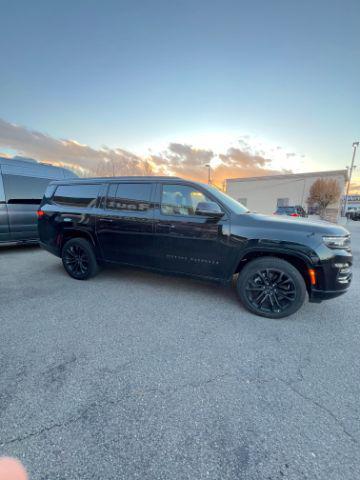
295	211
353	213
22	186
179	226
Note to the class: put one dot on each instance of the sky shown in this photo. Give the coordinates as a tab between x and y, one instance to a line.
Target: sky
251	87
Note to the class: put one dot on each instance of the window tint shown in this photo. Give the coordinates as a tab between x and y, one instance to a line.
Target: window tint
129	196
181	200
286	209
23	189
76	195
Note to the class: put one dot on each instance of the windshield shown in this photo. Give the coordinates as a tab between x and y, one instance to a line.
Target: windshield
229	202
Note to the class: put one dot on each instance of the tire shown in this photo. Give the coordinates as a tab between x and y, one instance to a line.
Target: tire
271	287
79	259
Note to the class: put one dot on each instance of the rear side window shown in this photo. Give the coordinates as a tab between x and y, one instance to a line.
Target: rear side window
23	189
129	196
76	195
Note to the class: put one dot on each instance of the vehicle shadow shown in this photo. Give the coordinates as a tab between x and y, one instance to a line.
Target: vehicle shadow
169	281
18	247
162	281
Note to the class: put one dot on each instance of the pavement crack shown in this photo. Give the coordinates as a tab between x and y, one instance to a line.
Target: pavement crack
48	428
200	383
321	407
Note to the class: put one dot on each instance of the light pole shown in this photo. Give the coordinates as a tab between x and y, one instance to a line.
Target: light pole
209	172
352	166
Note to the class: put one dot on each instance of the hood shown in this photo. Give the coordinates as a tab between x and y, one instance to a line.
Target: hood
298	224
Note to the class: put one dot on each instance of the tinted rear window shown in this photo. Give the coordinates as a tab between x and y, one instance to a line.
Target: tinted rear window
23	189
286	209
76	195
129	196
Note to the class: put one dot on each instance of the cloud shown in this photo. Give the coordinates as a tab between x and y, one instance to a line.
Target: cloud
187	161
178	159
45	148
355	187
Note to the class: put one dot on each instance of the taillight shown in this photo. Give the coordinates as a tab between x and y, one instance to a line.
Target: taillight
40	213
294	215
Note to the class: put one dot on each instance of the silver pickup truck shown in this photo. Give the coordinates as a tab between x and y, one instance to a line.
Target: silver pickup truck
22	186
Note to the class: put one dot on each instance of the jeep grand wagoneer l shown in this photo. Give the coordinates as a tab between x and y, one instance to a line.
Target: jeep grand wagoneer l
185	227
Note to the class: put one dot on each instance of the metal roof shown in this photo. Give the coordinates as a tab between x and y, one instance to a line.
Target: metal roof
285	176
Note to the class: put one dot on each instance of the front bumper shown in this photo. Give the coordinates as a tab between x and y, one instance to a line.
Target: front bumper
333	278
318	296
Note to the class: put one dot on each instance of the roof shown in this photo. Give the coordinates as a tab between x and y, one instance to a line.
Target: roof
119	179
284	176
31	167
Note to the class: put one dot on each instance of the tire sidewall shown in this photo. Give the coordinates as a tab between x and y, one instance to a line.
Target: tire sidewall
86	246
271	262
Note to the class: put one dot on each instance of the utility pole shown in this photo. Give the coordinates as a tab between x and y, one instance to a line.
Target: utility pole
209	172
355	146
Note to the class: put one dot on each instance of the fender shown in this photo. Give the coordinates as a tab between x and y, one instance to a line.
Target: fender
68	232
277	248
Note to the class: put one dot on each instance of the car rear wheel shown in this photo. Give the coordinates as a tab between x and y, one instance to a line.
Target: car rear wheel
79	259
271	287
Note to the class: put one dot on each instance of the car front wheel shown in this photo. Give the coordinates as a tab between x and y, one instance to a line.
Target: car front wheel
271	287
79	259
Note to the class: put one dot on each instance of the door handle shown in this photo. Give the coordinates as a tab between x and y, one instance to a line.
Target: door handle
108	220
167	228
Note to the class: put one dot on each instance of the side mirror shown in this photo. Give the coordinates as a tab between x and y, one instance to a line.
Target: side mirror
209	209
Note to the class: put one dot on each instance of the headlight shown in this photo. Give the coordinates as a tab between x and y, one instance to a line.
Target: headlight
338	242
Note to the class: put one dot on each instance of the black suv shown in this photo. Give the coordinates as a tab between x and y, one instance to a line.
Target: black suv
185	227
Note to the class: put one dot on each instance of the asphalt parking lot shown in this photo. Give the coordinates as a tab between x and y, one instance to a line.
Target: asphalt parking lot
137	375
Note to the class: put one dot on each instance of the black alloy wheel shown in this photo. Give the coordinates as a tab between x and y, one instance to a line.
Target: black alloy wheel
271	290
79	259
271	287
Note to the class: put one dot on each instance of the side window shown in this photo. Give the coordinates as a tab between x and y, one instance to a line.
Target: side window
181	200
23	189
110	199
129	196
76	195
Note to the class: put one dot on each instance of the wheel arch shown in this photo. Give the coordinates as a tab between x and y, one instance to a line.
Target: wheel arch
68	234
297	261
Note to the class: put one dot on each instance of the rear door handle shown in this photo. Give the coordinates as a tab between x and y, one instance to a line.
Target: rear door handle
108	220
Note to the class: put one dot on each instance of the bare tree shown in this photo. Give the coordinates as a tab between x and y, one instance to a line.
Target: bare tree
147	168
324	192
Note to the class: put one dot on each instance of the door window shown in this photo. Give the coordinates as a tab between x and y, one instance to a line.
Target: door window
181	200
129	196
84	195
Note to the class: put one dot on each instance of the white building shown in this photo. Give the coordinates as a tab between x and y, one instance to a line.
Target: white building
265	194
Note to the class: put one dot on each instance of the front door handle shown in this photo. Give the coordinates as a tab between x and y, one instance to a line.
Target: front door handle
167	228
